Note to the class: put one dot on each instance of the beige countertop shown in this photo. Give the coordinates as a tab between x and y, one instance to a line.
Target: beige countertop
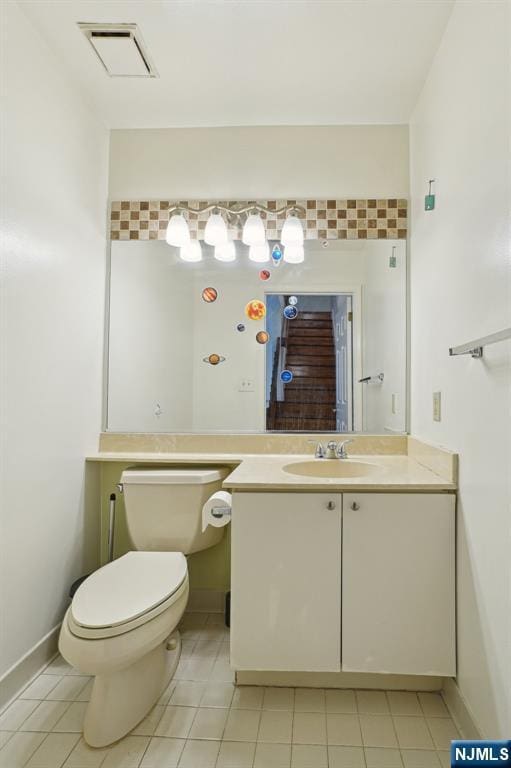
256	472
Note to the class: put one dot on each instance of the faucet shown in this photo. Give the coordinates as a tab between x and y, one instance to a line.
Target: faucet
337	450
320	451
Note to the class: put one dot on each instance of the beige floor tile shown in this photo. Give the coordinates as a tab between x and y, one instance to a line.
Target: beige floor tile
272	756
150	722
222	672
199	754
167	693
343	730
68	689
346	757
4	737
443	731
162	753
209	723
340	701
445	758
309	756
404	703
176	722
40	687
309	728
377	731
72	719
53	751
379	757
200	669
310	700
279	698
84	756
126	753
276	726
19	749
242	725
236	754
372	703
17	713
187	693
86	692
59	667
45	716
412	732
433	705
247	697
420	758
217	695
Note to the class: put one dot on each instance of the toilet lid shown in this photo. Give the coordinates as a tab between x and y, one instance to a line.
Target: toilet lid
127	588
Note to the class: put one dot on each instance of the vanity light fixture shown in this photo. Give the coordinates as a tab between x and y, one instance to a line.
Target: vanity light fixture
178	232
292	231
253	231
216	230
259	253
191	252
225	251
294	254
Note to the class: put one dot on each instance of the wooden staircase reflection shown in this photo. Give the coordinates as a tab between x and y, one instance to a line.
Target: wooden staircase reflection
309	400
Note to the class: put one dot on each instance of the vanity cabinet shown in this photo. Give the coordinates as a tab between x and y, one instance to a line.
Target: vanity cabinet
385	561
286	581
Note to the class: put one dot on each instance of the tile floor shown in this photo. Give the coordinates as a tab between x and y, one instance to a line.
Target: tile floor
203	721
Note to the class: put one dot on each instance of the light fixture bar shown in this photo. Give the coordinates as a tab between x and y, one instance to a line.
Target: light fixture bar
237	212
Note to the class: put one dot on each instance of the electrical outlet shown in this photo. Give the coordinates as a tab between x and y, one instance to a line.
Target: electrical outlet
437	406
394	403
246	385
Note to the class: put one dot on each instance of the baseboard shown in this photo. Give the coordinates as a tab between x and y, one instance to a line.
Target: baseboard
29	666
206	601
459	710
340	680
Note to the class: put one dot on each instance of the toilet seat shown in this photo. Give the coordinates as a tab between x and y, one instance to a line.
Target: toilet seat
126	593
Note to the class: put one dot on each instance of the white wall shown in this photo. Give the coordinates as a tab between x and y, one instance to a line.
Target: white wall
54	188
460	290
247	163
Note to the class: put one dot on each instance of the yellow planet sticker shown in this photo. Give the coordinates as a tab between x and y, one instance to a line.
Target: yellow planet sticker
255	310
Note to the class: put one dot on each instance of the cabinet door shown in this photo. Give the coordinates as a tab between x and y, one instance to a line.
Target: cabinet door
398	610
286	581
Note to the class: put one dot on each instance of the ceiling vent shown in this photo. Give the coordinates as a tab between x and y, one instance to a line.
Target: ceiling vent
120	49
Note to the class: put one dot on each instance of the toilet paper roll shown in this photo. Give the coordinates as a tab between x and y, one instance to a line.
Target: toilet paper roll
217	510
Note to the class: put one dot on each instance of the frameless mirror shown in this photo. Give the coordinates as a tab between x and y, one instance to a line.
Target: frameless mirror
239	346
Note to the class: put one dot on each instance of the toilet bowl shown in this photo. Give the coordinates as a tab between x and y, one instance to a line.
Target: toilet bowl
122	624
121	628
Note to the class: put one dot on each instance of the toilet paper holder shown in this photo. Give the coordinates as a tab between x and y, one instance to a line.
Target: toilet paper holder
219	512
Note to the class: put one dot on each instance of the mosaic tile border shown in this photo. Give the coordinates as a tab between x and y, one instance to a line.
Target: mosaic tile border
369	219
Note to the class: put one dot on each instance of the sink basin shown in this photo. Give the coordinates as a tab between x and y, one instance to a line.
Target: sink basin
331	468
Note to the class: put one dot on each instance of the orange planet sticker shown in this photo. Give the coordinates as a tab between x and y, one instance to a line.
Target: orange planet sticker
209	295
262	337
213	359
255	310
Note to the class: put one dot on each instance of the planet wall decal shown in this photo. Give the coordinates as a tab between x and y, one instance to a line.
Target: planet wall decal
292	300
265	274
286	376
255	309
213	359
209	295
240	327
262	337
290	312
276	255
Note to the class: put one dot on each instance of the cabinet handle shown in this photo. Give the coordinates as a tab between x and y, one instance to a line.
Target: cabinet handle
355	506
330	505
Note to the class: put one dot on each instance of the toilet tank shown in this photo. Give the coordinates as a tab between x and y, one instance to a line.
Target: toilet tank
164	507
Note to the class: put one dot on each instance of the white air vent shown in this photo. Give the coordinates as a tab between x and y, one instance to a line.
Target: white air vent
120	49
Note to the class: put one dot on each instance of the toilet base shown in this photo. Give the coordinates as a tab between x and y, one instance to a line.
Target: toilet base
120	700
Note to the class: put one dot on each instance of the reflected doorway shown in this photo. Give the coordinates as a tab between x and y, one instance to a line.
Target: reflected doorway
309	362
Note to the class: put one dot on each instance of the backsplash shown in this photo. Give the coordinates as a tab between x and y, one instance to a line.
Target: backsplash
368	219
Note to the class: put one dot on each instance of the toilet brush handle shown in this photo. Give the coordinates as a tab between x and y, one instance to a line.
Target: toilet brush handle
111	526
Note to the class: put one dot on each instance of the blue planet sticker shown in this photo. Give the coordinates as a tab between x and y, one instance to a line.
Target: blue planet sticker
292	300
240	327
290	312
276	255
286	376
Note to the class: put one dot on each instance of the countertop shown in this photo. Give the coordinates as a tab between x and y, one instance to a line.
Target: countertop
256	472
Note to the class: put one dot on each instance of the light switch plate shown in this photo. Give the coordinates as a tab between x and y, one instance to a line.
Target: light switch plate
246	385
437	406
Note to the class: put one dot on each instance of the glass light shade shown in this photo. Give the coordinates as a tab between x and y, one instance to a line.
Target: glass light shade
259	253
216	230
191	252
292	231
253	230
225	251
178	233
294	254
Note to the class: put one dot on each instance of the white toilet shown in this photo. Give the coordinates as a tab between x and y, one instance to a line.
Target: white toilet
121	625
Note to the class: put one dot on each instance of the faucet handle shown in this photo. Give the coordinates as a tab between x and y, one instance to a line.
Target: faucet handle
341	450
320	451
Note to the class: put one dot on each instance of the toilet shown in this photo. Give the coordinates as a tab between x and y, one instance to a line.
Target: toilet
121	624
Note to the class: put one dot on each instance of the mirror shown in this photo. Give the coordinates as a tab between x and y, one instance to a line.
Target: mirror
212	346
